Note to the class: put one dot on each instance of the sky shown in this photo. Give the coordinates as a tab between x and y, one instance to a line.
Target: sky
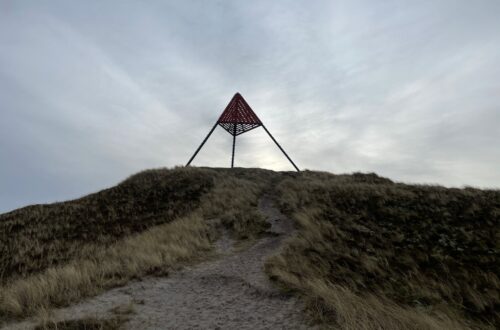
94	91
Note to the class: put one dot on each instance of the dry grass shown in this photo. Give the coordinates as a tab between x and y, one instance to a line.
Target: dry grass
114	323
119	315
373	254
233	201
217	198
41	236
151	252
338	307
369	253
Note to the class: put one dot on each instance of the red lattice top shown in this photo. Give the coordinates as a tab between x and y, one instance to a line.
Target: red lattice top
238	117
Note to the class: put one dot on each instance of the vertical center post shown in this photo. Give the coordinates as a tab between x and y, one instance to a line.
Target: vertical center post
234	145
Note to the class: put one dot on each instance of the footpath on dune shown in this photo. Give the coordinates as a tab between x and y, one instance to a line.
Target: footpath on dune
230	292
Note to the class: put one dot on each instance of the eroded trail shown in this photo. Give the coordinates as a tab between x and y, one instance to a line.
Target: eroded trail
232	292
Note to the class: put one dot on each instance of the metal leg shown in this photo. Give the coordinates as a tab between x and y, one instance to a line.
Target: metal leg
281	148
234	145
201	145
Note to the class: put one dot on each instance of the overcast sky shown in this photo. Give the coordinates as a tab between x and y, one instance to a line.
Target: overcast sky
94	91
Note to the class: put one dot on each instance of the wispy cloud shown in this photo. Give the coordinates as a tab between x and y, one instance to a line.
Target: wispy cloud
92	92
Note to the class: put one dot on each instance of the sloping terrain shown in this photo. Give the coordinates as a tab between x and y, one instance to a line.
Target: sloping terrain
49	264
367	254
39	236
428	248
230	292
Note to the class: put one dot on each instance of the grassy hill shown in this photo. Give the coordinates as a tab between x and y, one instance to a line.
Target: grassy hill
40	236
368	246
368	253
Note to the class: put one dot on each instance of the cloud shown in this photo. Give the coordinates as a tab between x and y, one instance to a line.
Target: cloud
92	92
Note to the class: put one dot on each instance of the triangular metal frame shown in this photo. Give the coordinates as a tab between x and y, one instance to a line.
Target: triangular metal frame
236	119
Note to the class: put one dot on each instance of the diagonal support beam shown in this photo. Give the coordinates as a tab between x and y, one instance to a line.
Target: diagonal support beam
201	145
283	151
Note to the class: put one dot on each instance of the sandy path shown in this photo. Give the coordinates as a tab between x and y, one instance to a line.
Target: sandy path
231	292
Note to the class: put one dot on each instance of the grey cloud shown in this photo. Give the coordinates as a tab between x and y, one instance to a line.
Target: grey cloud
93	91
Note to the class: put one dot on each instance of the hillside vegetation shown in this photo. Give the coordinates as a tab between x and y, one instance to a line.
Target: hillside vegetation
40	236
368	253
52	255
371	253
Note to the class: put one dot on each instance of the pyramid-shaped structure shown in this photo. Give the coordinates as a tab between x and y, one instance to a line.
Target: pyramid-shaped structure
238	117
